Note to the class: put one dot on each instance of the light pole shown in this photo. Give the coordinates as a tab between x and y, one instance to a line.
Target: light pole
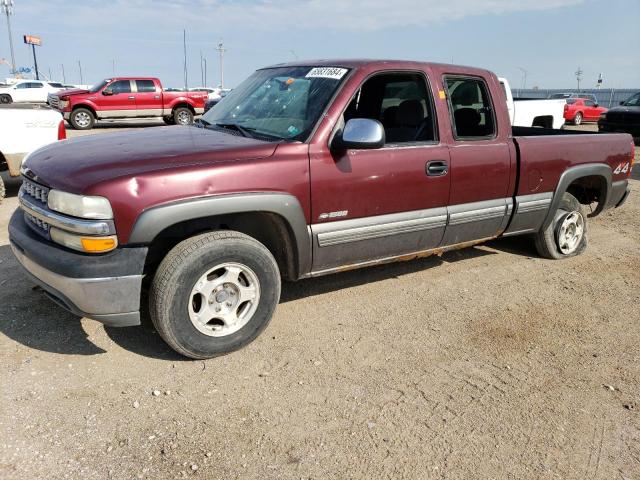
221	51
579	73
524	77
7	8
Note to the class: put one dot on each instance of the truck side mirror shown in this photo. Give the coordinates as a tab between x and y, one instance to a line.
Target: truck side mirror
360	133
107	92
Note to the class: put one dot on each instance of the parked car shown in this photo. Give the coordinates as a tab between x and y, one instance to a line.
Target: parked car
303	170
579	110
574	95
209	104
31	91
213	93
533	112
625	118
127	97
25	129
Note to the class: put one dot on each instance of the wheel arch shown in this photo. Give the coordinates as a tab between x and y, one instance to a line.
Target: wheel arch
86	106
275	219
588	183
182	103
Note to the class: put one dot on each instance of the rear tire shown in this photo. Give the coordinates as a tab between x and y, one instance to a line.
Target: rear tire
168	120
577	120
6	99
556	242
182	116
196	280
82	119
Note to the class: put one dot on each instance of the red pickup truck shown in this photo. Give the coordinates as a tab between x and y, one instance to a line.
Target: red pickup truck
305	169
127	97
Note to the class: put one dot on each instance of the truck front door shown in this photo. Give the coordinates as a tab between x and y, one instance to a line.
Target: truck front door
374	204
117	100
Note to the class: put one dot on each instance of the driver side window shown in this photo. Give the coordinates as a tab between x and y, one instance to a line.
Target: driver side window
401	102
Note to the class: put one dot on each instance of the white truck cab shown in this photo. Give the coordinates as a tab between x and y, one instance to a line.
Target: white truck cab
534	112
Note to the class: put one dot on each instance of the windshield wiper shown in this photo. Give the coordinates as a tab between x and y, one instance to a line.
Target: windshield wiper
201	123
246	132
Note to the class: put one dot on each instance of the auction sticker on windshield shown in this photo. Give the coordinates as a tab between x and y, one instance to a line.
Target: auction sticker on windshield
335	73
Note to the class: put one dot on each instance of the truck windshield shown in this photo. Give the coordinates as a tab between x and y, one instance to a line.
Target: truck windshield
282	103
99	86
634	101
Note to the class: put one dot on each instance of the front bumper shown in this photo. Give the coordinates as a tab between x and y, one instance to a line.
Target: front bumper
101	287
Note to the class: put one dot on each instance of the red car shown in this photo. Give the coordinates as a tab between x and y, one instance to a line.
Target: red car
127	97
305	169
578	110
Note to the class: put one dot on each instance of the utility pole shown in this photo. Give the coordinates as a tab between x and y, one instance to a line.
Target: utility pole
579	73
221	51
35	61
7	8
201	70
205	71
184	44
80	68
64	79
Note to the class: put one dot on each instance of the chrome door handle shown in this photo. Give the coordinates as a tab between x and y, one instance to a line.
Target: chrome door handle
437	168
132	97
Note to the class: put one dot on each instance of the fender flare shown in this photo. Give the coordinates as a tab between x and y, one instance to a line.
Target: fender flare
574	173
153	221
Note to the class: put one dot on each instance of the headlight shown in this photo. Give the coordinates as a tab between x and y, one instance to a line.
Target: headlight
95	208
603	115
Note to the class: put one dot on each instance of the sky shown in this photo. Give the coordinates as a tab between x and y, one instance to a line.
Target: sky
549	39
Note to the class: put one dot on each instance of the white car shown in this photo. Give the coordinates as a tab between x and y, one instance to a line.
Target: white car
23	131
534	112
30	91
214	93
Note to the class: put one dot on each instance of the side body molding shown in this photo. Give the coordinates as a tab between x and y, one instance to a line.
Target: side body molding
153	221
574	173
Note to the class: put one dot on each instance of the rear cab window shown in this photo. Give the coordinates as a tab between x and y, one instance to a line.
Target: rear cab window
145	86
472	114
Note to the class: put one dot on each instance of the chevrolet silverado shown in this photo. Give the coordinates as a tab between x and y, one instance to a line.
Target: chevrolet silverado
305	169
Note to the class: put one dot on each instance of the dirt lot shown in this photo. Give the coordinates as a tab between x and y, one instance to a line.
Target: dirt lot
485	363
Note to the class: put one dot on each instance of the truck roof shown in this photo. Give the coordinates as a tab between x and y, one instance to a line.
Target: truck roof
381	64
133	78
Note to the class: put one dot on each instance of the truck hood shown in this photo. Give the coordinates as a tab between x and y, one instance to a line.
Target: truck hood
71	91
631	109
78	164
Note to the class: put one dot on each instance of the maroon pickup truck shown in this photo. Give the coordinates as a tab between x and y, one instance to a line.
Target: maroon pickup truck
305	169
127	97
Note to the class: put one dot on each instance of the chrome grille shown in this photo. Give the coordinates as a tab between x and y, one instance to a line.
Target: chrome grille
37	225
35	191
53	100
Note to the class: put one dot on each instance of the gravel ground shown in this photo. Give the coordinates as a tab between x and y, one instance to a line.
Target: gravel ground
485	363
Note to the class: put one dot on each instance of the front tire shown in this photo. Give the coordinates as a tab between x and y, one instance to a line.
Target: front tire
182	116
6	99
566	236
577	120
2	190
214	293
82	119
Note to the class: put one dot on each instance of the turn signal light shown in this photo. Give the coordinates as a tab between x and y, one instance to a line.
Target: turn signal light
98	245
